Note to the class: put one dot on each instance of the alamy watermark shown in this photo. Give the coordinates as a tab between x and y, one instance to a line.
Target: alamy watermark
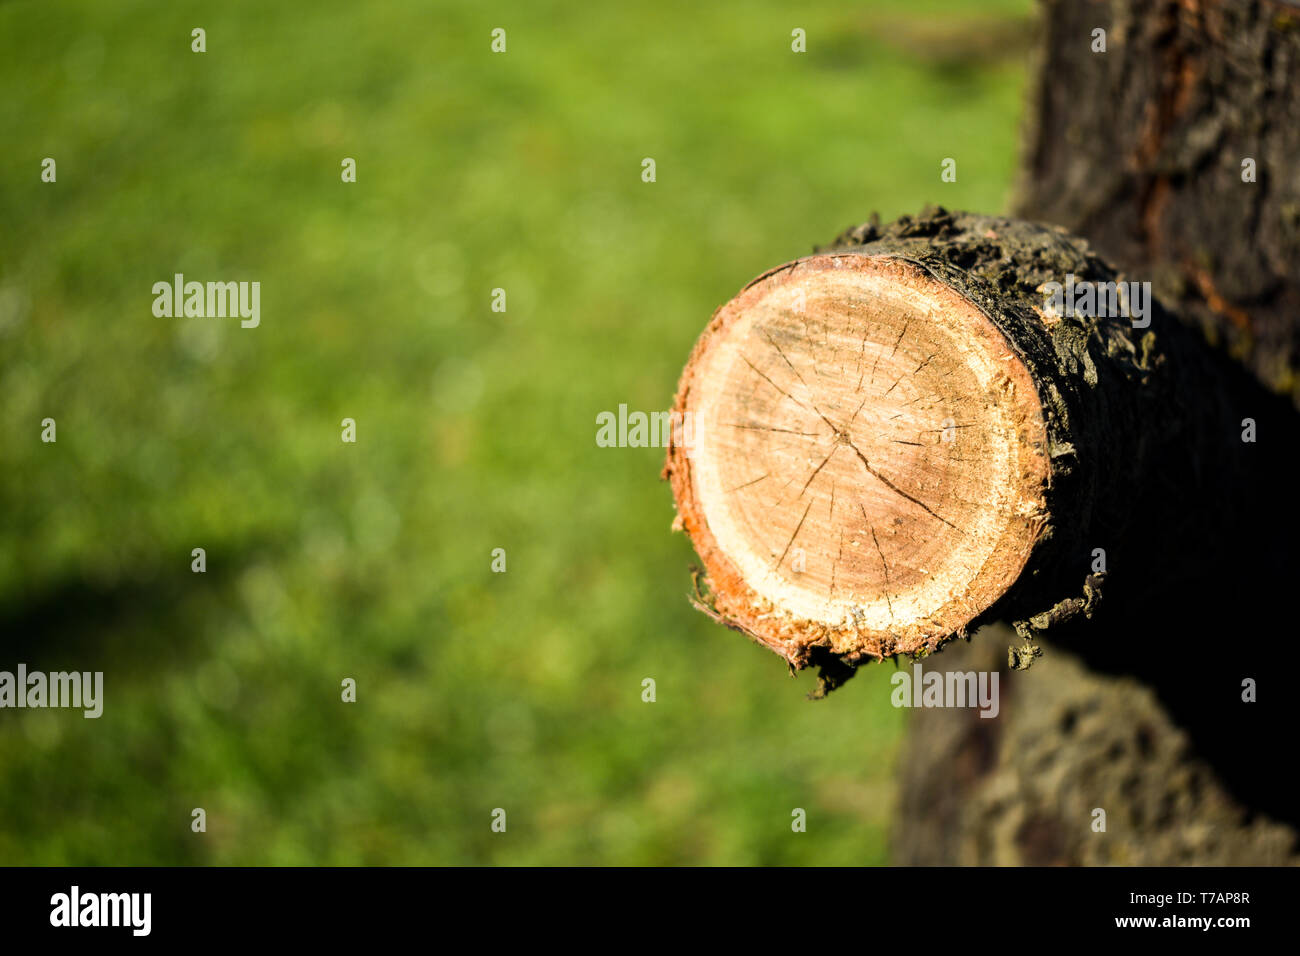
77	689
946	689
130	910
212	300
626	429
1130	300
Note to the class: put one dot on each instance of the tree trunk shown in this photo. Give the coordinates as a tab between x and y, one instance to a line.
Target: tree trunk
1146	150
1077	769
1021	475
1141	150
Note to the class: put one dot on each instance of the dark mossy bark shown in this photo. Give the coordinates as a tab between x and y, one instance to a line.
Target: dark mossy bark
1140	149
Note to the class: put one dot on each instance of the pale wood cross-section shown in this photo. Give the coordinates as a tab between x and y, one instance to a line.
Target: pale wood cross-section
868	467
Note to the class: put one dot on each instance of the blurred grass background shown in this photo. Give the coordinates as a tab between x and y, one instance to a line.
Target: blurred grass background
475	429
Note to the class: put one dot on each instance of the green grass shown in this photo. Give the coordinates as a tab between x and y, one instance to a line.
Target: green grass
475	429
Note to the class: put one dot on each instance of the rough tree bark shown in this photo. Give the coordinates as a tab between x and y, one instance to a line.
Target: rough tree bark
1023	789
1141	149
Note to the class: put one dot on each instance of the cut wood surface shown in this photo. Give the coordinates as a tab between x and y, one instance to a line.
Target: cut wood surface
826	485
894	439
